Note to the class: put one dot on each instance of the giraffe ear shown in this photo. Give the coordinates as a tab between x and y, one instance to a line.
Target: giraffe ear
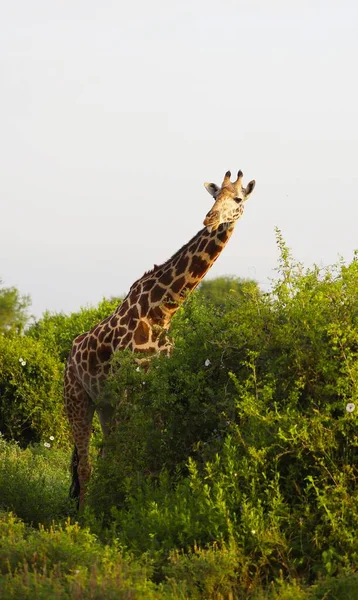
250	187
212	188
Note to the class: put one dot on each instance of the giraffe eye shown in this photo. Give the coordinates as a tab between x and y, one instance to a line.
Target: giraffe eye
237	199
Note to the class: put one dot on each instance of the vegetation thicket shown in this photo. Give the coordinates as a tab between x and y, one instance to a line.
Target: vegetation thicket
232	468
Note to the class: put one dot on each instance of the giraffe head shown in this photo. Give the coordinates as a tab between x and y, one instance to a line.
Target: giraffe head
229	201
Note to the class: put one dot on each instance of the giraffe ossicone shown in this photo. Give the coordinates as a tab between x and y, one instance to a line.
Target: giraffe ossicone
141	322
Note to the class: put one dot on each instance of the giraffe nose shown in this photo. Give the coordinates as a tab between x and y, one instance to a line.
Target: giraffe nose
211	217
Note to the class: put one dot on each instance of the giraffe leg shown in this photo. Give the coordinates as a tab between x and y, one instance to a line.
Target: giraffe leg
80	411
105	414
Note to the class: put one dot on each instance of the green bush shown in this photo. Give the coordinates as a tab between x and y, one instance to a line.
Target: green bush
34	483
217	291
57	331
31	374
67	562
245	435
31	405
232	467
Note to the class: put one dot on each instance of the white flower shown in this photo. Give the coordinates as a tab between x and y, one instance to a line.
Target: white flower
253	531
138	368
47	445
51	438
207	363
23	363
143	382
350	407
21	359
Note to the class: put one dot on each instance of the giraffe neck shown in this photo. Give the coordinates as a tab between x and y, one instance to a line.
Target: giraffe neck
140	323
159	293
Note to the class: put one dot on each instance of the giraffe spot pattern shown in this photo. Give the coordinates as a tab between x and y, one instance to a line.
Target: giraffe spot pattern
198	266
156	314
157	293
104	353
127	338
212	248
141	334
92	361
182	264
114	321
178	284
166	277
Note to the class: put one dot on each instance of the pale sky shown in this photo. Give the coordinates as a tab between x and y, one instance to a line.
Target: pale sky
113	114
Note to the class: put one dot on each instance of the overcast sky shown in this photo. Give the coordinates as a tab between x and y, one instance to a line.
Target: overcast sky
114	113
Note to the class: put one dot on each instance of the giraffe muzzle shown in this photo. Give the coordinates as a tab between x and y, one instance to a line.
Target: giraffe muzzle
212	221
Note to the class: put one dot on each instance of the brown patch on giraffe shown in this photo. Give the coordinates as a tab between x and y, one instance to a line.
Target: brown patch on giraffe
141	334
202	245
167	277
85	355
193	248
124	307
198	266
144	304
147	285
133	317
104	353
157	293
133	295
101	335
109	337
115	340
95	329
79	339
92	362
114	321
92	344
133	313
178	284
222	235
212	248
182	264
121	331
127	338
156	314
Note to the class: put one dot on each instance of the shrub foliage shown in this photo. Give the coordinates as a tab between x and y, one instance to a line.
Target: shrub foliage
248	434
232	466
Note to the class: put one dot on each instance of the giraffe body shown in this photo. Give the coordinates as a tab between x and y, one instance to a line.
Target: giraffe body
141	322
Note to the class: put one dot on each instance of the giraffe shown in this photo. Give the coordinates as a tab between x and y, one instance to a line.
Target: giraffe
141	322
